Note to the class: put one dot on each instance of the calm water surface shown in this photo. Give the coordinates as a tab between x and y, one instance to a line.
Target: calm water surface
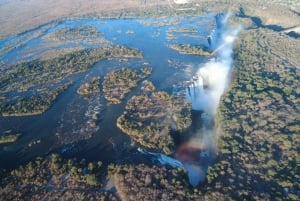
70	113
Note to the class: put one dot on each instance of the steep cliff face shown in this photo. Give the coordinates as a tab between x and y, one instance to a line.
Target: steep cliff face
257	121
216	35
204	92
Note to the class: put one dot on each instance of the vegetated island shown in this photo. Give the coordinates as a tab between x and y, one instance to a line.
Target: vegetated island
85	33
182	30
10	138
191	49
28	74
148	86
119	82
148	119
40	74
90	87
33	105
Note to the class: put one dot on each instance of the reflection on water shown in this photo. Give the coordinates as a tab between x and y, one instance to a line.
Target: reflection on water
63	127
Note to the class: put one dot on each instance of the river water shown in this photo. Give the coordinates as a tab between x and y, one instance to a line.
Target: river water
63	128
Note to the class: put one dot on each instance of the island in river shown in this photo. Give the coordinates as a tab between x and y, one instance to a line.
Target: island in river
257	121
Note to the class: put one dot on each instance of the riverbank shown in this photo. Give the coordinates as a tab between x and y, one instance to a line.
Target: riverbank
39	12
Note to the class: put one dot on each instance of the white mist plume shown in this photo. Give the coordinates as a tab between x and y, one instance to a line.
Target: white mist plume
181	1
212	78
208	86
204	93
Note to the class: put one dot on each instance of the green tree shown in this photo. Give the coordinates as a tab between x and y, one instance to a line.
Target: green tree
91	179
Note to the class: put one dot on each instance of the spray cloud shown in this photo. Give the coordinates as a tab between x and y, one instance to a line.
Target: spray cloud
205	91
212	79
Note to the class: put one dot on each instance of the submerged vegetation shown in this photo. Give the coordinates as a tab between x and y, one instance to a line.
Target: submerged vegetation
191	49
118	83
148	119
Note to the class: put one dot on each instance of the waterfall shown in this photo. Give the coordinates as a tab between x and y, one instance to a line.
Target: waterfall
204	91
211	80
162	158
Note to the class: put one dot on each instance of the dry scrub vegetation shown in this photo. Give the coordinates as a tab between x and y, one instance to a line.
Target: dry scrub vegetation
13	13
148	120
259	119
54	178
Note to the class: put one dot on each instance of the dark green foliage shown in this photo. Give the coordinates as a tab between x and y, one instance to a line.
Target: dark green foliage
118	83
9	138
143	182
41	74
54	178
190	49
90	87
259	120
25	75
149	118
81	33
32	105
